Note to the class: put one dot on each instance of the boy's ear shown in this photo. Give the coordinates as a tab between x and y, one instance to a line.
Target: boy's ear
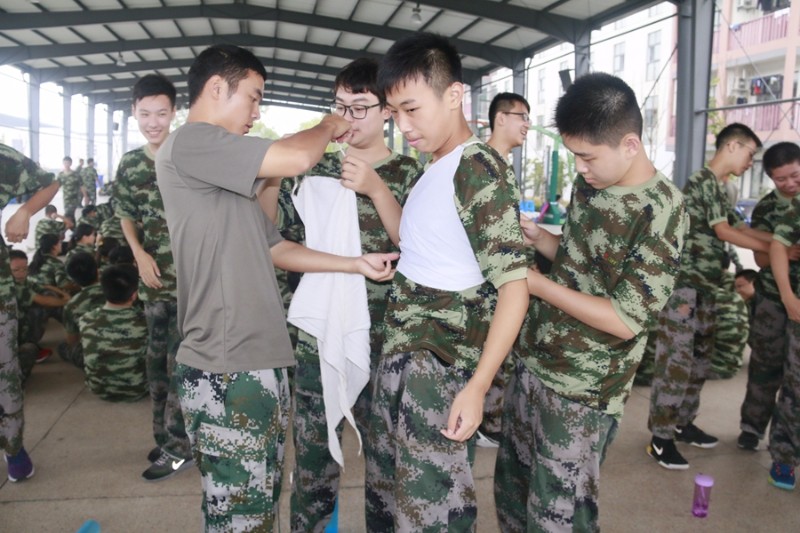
454	95
631	144
215	86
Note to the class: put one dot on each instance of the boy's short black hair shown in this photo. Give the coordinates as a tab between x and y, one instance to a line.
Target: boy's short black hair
600	109
736	132
17	254
748	273
109	243
504	102
359	76
119	283
90	160
153	85
121	255
82	230
420	56
780	154
88	210
50	209
82	269
67	158
225	60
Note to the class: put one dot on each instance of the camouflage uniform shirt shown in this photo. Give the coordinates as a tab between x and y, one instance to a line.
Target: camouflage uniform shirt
399	173
787	232
88	299
114	344
109	223
25	293
768	212
454	324
622	243
707	205
80	248
89	182
51	273
71	189
49	226
139	199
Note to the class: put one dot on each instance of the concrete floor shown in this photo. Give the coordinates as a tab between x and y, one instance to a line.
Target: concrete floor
89	455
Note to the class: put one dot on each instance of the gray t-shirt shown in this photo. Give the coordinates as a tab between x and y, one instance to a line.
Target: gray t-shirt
230	311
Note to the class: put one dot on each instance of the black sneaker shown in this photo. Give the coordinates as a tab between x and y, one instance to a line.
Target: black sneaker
165	467
154	454
695	436
666	454
747	441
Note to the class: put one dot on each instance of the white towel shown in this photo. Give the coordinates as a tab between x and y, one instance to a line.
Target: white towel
333	306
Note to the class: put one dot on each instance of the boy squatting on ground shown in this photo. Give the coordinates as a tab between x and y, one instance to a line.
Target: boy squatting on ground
19	176
231	364
686	325
769	330
114	339
443	342
82	269
784	434
613	269
382	180
139	203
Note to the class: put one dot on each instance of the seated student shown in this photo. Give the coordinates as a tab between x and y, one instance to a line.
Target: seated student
744	283
34	304
52	223
114	339
89	216
104	249
122	255
82	268
45	268
614	267
83	240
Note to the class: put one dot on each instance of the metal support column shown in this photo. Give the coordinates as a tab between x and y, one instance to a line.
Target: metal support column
34	123
109	142
695	30
520	87
475	91
90	128
583	43
124	131
67	126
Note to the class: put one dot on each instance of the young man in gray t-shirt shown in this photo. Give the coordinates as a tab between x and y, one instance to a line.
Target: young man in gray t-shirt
231	365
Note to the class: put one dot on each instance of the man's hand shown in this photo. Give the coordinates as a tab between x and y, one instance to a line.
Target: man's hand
359	176
17	226
530	230
794	252
377	267
340	126
148	270
466	414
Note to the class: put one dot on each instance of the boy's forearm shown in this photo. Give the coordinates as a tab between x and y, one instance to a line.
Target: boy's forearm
594	311
41	198
547	244
761	235
130	232
389	211
294	257
725	232
779	261
512	306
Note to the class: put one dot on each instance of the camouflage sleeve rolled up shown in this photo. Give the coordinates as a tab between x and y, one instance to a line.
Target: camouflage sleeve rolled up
487	200
19	175
114	347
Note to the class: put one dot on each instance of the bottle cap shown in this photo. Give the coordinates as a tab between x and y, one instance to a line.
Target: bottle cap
704	480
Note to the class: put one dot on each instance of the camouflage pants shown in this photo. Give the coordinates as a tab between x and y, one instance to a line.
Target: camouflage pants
162	345
12	419
71	353
768	336
316	475
784	434
547	473
683	358
416	479
27	354
493	403
237	426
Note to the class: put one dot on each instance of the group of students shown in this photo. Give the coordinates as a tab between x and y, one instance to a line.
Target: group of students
458	303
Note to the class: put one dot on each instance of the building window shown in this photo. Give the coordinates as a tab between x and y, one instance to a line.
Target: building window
619	58
539	137
651	112
653	54
541	86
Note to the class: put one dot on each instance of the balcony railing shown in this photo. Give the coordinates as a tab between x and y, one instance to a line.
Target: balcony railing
761	118
759	31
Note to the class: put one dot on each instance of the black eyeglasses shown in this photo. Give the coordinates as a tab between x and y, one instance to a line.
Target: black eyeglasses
525	117
356	111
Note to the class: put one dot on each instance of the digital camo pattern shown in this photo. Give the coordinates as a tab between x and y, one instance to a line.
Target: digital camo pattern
684	346
768	341
618	243
766	215
547	473
49	226
163	340
114	343
454	325
704	253
784	433
80	248
71	191
89	182
316	474
137	198
19	176
237	425
417	479
52	273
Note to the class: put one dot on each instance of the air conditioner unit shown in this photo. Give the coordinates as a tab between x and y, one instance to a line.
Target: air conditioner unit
740	85
746	4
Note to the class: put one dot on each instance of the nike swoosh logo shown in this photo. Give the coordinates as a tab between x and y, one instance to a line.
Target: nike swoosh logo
658	451
177	464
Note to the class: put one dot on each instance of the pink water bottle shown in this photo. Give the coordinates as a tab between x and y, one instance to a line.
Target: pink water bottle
702	495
